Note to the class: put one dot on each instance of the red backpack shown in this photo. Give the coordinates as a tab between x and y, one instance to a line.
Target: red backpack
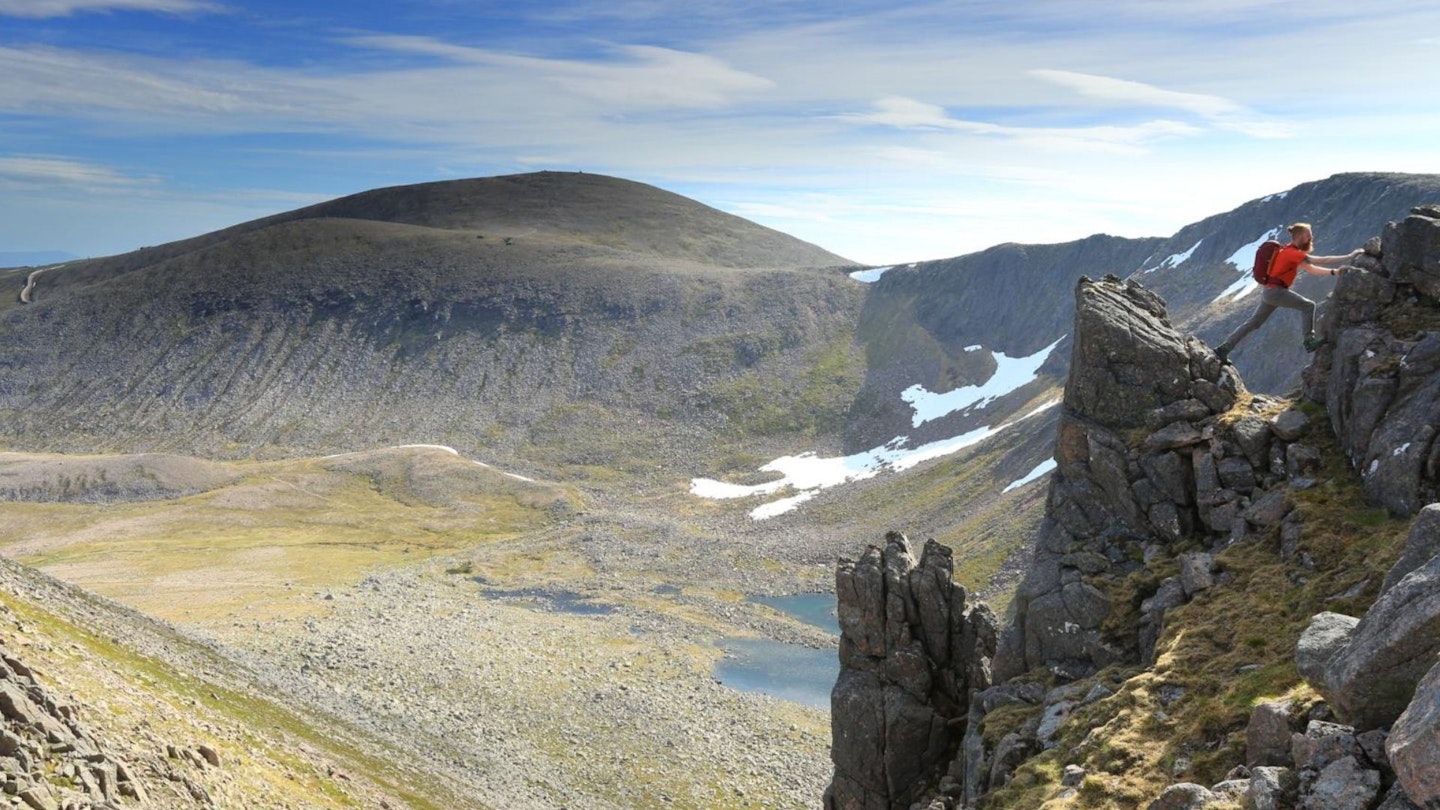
1264	258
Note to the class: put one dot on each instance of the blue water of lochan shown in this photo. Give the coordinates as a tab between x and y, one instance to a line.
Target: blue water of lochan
791	672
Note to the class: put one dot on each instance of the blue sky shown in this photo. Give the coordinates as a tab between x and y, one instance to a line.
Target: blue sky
887	132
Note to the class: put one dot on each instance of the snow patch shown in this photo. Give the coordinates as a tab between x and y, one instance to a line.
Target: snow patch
1043	468
445	449
780	507
808	473
1011	373
1242	287
872	275
1173	260
1244	258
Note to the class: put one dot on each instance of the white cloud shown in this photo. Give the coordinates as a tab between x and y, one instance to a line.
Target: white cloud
29	172
1124	91
152	92
909	114
41	9
644	76
1220	111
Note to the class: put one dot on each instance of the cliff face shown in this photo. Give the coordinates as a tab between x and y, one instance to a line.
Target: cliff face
1377	373
1111	504
1171	479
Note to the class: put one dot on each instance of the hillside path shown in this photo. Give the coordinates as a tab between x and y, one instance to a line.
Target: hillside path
29	287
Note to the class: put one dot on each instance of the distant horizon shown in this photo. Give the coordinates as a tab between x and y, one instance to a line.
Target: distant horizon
884	133
24	258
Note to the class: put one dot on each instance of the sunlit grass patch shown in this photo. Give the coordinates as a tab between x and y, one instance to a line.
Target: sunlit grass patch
261	547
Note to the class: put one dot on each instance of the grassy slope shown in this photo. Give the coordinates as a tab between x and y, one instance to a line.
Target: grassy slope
254	551
156	689
1229	649
258	547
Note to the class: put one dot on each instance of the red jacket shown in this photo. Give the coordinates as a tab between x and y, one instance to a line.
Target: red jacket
1287	262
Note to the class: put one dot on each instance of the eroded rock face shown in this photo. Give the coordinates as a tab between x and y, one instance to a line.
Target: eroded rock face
1130	369
1414	743
913	651
1381	385
1373	679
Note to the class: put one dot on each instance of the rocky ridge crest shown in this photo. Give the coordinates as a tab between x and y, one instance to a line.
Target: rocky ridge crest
1163	454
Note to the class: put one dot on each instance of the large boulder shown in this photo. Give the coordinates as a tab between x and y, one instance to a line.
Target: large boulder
1267	736
1414	743
1323	639
1412	251
1422	545
1373	679
1272	788
1342	785
1184	796
1127	360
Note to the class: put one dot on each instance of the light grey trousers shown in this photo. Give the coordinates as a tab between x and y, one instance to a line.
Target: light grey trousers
1272	298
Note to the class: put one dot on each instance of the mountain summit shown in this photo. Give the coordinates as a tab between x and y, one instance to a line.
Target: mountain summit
593	208
462	313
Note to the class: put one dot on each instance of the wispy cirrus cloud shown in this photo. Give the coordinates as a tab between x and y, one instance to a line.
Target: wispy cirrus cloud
44	9
640	75
36	171
79	84
1216	110
908	113
469	94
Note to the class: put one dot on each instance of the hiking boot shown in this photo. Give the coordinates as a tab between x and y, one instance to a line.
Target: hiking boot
1223	352
1312	343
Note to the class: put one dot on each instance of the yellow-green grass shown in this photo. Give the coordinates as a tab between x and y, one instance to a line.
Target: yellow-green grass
272	755
1229	649
811	403
261	547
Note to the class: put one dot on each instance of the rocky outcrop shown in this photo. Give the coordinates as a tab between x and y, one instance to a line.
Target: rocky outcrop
42	738
1110	500
1378	372
913	652
1412	250
1160	450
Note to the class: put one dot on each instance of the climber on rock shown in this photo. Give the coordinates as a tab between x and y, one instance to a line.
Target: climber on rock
1277	293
